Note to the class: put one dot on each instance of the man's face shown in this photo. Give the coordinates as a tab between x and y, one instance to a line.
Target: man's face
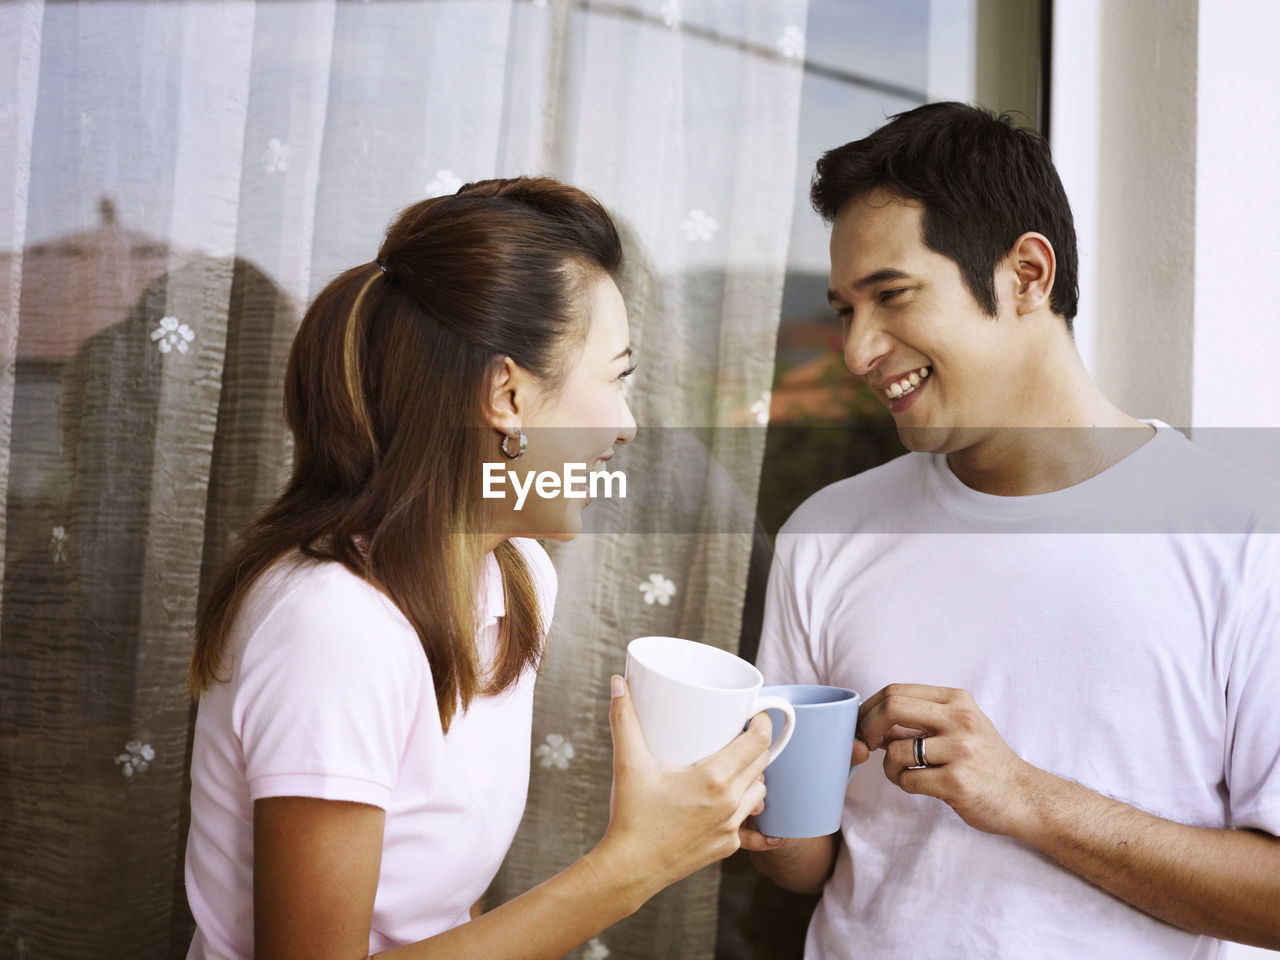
948	372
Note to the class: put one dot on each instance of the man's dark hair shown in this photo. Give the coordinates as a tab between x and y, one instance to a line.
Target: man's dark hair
982	180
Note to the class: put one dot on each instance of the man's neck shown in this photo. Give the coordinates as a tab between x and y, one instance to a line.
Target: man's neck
1070	433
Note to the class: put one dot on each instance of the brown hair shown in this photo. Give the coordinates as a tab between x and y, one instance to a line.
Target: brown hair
384	394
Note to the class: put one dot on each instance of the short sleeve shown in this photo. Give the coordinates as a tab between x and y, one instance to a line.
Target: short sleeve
329	685
785	643
1253	703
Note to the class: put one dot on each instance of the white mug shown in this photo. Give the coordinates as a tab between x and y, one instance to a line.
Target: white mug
693	699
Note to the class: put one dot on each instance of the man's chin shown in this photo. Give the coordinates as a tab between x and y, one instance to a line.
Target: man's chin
925	439
937	439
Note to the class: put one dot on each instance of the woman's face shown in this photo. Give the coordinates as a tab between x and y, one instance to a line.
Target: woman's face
576	421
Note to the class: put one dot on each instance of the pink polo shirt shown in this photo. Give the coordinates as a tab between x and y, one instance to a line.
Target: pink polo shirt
330	695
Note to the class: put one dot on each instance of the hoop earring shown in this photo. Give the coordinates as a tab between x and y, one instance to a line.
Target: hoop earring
523	442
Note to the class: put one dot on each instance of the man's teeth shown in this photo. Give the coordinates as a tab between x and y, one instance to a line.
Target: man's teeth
900	388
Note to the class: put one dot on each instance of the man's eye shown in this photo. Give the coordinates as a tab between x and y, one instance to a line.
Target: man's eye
887	295
845	313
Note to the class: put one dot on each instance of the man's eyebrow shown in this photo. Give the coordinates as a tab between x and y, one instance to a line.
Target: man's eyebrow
883	275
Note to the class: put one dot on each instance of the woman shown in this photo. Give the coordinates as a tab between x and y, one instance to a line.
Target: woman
365	661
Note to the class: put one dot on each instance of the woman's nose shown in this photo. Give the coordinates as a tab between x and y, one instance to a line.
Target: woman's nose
627	431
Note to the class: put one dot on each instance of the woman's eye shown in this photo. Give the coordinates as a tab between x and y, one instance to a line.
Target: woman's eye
627	372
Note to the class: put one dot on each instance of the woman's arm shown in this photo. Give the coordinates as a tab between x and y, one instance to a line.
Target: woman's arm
315	872
316	862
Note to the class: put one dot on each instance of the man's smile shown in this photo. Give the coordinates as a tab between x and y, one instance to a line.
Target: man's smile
897	389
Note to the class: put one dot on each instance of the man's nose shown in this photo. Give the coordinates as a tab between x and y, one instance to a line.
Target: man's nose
865	344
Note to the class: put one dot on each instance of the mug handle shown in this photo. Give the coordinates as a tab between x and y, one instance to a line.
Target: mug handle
789	715
853	766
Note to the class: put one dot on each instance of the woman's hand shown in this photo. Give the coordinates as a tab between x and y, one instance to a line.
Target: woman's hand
666	821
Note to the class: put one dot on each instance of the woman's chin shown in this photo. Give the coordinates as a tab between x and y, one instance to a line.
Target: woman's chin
565	528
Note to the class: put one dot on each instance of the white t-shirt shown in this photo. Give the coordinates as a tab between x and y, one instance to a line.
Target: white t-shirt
1123	633
330	695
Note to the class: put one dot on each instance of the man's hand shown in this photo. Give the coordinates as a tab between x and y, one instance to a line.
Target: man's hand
1215	881
970	767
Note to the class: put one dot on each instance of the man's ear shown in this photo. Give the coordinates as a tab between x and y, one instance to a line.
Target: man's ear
1034	267
510	395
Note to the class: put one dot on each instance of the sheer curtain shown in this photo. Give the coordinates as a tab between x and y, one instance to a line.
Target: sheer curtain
177	179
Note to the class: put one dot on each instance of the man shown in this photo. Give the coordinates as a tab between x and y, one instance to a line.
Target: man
1068	619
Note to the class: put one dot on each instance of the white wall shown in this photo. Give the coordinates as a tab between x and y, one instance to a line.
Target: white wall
1074	131
1143	339
1237	311
1166	130
1165	126
1237	212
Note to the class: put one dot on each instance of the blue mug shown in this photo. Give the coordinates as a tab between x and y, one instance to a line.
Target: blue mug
805	785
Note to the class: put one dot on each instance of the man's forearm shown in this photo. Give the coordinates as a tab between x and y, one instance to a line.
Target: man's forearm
801	866
1223	883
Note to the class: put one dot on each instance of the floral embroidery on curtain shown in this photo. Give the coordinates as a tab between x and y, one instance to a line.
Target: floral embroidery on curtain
176	182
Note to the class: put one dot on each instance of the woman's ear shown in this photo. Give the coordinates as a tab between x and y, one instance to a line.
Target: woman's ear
510	395
1034	266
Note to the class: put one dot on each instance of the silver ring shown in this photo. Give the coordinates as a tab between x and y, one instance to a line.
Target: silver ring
919	749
